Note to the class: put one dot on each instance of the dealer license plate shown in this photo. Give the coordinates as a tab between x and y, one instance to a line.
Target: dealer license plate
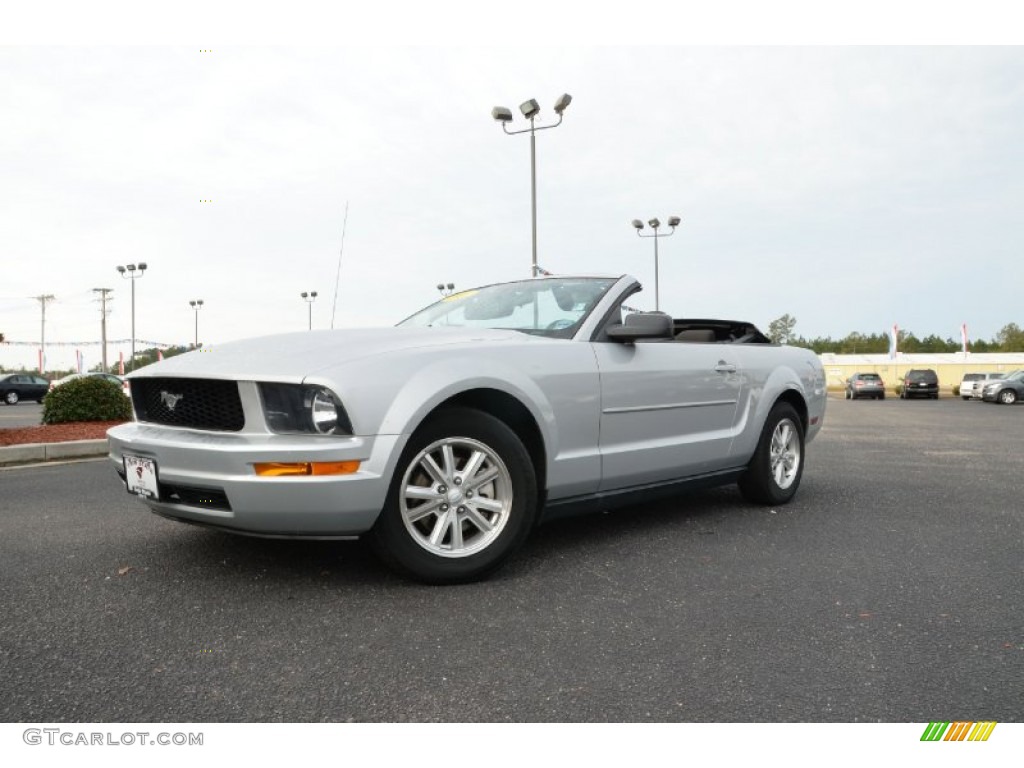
140	475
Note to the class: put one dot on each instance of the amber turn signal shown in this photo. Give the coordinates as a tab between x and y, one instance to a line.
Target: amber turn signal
305	468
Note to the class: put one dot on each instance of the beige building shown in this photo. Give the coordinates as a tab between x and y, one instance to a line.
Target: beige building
950	366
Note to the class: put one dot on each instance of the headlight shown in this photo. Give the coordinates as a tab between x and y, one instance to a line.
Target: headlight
324	411
303	408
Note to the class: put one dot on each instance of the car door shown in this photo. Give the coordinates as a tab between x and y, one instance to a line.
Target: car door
40	387
668	410
23	386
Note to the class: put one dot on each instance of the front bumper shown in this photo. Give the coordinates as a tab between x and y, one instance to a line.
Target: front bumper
208	477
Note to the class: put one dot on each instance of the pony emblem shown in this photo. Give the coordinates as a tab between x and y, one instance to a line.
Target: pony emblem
170	400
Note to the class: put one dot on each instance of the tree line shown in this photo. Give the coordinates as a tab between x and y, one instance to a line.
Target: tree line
781	330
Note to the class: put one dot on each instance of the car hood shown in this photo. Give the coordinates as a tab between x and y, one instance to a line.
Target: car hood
294	356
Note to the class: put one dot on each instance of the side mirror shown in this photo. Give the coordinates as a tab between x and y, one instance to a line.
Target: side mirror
642	325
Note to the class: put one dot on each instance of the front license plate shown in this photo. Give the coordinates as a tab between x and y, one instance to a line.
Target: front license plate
140	475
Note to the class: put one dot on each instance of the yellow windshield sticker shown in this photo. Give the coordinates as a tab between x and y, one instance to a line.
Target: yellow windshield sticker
462	295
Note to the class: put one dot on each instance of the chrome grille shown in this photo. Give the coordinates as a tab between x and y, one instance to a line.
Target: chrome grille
196	403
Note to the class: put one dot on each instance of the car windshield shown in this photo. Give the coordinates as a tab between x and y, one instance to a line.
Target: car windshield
973	376
551	306
1016	375
868	377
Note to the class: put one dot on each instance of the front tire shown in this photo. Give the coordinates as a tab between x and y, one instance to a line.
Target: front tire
462	500
1007	397
774	472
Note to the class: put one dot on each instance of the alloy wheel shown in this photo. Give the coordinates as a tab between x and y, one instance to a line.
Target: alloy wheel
785	453
455	497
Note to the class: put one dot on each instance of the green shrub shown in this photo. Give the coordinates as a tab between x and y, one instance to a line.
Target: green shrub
89	398
898	389
956	390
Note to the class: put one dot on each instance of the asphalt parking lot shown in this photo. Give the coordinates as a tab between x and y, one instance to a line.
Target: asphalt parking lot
24	414
889	590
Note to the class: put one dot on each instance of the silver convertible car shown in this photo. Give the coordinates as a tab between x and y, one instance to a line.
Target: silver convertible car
447	439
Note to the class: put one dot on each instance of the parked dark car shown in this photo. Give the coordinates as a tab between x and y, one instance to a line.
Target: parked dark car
921	382
23	386
1006	391
865	385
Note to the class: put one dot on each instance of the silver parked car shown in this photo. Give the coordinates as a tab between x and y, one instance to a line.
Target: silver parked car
119	380
972	384
446	439
865	385
1008	390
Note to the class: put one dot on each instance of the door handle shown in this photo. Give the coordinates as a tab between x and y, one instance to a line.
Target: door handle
724	367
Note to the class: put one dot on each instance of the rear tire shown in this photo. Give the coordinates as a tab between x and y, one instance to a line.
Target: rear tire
463	498
11	398
774	472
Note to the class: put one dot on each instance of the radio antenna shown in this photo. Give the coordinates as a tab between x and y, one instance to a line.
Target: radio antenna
337	277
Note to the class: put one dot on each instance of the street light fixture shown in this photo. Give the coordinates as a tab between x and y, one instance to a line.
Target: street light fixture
133	272
196	305
673	222
309	297
446	289
530	110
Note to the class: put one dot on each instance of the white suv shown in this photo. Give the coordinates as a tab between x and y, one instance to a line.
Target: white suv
972	384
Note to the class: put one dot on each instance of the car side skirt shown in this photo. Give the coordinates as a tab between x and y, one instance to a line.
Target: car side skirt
605	501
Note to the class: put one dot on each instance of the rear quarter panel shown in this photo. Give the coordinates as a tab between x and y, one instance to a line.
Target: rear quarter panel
771	371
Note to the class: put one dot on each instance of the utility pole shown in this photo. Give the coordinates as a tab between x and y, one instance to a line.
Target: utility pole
42	335
103	320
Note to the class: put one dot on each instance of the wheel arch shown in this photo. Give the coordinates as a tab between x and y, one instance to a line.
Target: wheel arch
513	413
1002	393
795	399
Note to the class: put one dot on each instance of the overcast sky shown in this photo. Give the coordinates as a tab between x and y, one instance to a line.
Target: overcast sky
851	187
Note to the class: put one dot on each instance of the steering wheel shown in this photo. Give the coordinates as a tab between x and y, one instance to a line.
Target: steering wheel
560	324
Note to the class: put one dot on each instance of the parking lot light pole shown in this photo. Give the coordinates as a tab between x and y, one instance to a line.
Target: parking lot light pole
530	110
309	297
133	272
446	289
673	222
196	305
